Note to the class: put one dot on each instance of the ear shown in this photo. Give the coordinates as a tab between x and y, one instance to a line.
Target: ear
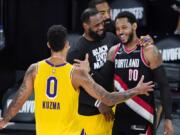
134	26
48	45
85	26
67	44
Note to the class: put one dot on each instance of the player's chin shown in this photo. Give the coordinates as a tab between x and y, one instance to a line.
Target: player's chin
124	41
100	33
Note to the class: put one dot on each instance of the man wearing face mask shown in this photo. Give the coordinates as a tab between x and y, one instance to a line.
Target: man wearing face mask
103	7
96	43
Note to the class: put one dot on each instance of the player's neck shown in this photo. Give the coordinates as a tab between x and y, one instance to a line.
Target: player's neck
132	44
57	58
87	37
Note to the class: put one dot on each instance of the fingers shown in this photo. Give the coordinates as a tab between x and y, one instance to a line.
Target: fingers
149	83
109	116
150	86
148	90
80	61
77	61
146	40
76	65
5	124
86	57
168	128
147	94
142	79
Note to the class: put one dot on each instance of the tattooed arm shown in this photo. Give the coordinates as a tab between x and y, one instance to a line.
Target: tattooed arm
21	96
82	78
153	57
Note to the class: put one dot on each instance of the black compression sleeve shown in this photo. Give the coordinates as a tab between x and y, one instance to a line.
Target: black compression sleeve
161	79
105	75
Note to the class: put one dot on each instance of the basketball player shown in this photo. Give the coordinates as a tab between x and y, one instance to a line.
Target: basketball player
126	62
55	82
130	62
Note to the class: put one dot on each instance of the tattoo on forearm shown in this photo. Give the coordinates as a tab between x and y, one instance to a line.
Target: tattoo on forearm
113	98
104	96
19	98
119	97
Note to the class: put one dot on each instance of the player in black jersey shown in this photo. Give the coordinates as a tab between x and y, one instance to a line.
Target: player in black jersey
128	61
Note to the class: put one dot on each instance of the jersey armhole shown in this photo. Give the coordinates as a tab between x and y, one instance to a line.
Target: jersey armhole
115	52
71	76
143	58
36	70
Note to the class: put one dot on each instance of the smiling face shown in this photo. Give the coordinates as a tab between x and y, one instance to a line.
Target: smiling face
104	9
125	30
95	27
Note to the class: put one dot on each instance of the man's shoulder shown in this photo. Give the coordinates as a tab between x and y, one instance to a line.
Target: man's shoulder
81	43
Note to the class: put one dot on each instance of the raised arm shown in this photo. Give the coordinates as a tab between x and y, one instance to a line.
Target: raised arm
82	78
21	96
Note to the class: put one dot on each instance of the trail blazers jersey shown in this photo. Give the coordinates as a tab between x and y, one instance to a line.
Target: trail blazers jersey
130	65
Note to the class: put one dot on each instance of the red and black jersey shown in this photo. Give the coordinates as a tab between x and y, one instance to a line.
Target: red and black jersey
130	65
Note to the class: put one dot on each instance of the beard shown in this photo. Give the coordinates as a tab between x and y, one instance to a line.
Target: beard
130	38
96	36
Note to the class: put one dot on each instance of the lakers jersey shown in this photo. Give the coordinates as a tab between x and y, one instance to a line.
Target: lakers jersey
56	100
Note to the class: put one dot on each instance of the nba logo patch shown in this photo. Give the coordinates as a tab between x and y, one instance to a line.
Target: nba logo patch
83	132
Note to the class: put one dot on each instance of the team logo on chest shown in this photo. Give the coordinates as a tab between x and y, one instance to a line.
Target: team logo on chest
126	63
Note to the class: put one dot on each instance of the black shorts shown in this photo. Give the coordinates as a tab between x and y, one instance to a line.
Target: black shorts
143	129
128	122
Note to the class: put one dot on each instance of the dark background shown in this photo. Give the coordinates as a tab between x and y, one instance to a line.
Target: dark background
25	24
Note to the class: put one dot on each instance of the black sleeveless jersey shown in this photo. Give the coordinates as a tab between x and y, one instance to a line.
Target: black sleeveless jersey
130	65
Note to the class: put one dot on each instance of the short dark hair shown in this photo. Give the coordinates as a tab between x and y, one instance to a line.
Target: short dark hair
130	16
93	3
57	36
87	14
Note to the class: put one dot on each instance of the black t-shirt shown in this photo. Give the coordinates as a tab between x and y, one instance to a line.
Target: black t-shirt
97	51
